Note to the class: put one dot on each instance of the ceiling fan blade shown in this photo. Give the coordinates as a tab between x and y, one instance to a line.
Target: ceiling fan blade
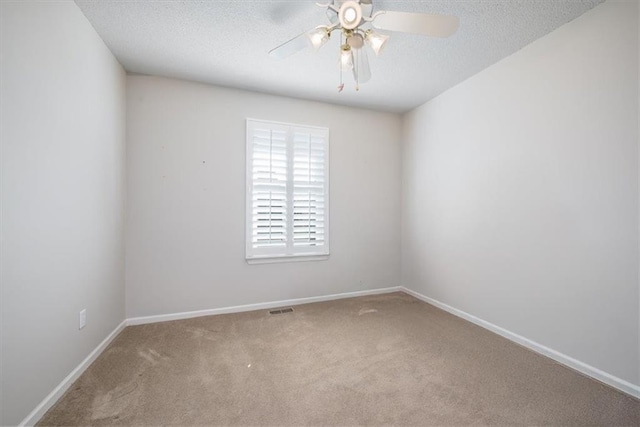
290	47
367	8
417	23
332	15
361	69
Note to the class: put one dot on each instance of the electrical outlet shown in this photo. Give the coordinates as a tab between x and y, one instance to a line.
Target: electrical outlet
83	318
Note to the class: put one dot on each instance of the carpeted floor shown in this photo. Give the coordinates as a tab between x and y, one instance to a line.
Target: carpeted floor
387	359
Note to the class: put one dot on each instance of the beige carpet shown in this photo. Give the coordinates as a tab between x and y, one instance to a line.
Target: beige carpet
387	359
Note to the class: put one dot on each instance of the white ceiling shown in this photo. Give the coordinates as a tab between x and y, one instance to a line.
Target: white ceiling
226	43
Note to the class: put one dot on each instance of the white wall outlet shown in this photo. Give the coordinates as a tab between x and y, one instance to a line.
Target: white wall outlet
82	318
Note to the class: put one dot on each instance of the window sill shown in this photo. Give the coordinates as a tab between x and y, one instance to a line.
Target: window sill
287	258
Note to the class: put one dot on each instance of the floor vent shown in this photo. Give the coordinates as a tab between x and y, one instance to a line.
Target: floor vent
282	311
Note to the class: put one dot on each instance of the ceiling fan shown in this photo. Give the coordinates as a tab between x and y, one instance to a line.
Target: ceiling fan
356	21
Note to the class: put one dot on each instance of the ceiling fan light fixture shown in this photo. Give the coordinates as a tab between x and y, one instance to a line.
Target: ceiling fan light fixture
356	20
350	15
376	41
318	36
346	58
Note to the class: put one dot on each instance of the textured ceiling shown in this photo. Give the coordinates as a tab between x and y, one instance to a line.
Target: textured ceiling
226	43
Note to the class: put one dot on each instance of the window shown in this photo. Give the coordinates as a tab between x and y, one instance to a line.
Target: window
287	192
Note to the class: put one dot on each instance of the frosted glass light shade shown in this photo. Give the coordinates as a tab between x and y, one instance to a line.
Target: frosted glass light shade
346	58
376	41
318	37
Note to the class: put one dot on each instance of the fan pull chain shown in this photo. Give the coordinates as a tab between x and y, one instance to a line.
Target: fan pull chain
341	85
356	58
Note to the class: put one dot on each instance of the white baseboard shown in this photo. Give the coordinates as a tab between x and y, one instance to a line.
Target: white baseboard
611	380
57	392
258	306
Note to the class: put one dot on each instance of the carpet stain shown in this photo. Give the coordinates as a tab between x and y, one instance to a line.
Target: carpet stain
115	401
152	356
367	311
203	333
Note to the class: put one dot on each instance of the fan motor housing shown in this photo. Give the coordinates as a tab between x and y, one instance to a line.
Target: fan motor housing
355	41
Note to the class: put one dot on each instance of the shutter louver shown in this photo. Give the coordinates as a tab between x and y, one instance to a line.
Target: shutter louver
287	191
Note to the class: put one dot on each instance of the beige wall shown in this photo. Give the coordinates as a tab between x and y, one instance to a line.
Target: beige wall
519	196
520	192
62	197
186	199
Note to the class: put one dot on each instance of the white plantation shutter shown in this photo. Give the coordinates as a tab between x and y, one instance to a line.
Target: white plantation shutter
269	198
287	191
309	213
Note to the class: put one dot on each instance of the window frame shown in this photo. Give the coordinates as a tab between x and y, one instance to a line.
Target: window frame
253	256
